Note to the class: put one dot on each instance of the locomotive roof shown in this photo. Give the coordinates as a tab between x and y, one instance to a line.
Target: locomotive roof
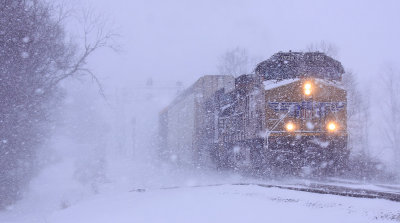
288	65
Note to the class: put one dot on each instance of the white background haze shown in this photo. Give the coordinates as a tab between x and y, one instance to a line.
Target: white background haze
95	147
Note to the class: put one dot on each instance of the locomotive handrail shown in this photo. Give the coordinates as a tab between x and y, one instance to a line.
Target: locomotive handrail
270	131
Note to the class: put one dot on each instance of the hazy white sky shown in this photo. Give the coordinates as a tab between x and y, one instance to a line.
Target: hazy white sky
182	40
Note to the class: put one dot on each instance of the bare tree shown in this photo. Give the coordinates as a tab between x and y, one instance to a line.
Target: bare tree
329	49
366	117
96	34
357	115
391	111
234	62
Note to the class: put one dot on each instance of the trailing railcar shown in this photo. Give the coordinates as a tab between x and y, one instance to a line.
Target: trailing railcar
289	114
181	124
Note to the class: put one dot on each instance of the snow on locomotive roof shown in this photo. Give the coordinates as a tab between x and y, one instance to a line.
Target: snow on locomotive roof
330	83
289	65
271	84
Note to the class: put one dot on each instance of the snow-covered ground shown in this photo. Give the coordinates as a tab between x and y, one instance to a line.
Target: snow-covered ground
221	203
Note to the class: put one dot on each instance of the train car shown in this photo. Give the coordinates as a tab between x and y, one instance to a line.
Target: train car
235	135
289	114
181	122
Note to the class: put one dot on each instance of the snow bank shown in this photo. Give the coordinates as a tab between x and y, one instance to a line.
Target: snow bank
227	204
223	203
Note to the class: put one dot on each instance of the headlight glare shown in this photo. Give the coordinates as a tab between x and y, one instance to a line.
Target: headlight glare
307	88
290	126
332	126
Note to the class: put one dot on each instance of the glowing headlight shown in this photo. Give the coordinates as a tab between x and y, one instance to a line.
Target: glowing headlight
331	126
289	127
307	89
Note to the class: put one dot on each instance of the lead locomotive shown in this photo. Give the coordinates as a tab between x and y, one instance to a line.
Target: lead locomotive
289	114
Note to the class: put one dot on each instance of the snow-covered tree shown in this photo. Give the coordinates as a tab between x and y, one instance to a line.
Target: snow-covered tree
34	57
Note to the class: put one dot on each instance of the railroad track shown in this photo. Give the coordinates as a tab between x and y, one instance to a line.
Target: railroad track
311	188
337	190
345	187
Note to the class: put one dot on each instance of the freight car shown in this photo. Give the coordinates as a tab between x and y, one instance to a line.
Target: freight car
289	114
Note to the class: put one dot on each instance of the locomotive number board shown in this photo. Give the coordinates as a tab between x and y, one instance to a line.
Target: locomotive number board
300	109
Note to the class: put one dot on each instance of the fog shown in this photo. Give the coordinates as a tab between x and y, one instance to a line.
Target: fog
183	40
170	41
108	144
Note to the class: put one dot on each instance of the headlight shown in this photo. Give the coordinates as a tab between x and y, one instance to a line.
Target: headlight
307	88
332	126
289	126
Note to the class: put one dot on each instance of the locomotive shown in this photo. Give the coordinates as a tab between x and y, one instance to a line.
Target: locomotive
289	114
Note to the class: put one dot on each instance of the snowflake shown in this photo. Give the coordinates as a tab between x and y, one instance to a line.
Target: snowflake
25	39
39	91
236	149
24	55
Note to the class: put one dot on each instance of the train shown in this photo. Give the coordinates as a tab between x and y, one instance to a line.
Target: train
289	114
